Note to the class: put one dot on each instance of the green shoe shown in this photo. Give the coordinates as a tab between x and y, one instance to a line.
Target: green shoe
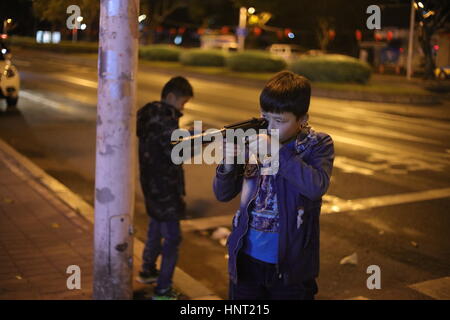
167	294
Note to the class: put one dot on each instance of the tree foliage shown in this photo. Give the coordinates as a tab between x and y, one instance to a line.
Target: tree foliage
55	11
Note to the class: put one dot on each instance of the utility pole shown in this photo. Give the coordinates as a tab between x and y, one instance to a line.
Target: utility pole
410	42
241	31
115	150
74	34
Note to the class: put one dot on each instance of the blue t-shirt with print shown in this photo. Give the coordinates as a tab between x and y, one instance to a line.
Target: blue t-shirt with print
261	241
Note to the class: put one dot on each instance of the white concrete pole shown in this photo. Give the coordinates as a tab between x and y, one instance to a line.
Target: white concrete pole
115	150
241	29
409	70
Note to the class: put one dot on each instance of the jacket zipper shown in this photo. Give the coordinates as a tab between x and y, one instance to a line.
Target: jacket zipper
246	224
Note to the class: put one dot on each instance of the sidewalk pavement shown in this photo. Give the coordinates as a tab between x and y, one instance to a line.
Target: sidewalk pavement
44	229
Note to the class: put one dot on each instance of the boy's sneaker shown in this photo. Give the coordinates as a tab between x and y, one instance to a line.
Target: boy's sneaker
147	277
167	294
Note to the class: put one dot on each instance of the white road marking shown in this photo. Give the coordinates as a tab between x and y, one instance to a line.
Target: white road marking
331	205
341	109
430	159
374	131
387	163
437	289
40	99
348	165
410	164
335	205
77	80
358	298
21	63
61	77
206	223
58	106
396	149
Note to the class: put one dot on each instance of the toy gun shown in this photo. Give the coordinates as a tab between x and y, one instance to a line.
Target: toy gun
205	138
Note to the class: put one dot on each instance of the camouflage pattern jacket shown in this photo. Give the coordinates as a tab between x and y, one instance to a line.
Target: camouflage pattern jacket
162	181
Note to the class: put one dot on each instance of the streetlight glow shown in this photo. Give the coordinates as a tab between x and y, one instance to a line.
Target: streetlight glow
428	14
251	10
80	18
142	17
178	40
83	26
421	4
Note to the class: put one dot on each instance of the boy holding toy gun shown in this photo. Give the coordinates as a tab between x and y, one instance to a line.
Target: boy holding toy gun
274	245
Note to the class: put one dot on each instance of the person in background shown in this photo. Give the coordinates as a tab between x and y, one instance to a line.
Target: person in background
162	184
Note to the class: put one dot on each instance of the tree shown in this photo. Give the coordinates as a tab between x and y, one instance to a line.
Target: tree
212	13
433	14
158	11
314	19
323	33
21	14
54	11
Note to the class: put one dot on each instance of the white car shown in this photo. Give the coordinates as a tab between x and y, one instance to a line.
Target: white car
286	51
9	79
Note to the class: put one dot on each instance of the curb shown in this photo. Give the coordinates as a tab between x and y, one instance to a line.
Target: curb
183	282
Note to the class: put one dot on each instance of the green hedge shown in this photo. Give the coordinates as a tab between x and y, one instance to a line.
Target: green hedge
160	52
203	57
63	46
332	68
255	61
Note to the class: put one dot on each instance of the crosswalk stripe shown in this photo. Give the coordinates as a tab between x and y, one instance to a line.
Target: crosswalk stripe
340	205
332	205
437	288
398	149
206	223
358	298
374	131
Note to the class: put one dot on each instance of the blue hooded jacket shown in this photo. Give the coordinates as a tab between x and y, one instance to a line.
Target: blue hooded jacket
303	177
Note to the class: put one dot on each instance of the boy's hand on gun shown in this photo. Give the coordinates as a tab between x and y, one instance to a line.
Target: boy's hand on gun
230	151
260	145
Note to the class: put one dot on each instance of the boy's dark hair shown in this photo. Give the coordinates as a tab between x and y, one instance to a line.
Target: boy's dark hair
179	86
286	92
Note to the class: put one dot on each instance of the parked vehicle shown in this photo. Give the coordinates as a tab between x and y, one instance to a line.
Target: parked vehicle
9	78
442	72
226	43
286	51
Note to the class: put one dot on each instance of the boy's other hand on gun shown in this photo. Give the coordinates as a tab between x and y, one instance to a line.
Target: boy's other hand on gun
261	140
230	152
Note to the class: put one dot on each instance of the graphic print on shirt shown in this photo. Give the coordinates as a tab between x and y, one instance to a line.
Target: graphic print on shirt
264	216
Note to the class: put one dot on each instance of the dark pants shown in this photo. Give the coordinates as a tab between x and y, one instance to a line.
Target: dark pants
258	280
170	233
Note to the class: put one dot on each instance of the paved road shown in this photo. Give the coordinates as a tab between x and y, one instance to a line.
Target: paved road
388	200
